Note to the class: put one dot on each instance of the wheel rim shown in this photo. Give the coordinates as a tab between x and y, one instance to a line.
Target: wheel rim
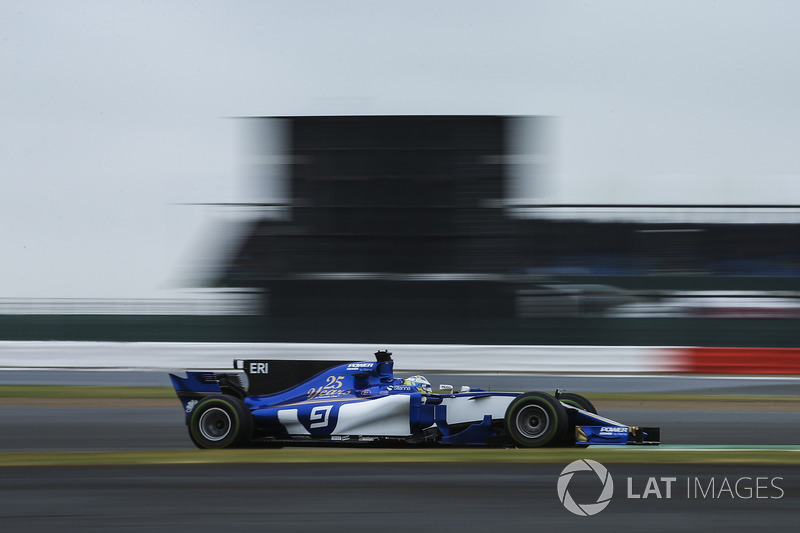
215	424
533	421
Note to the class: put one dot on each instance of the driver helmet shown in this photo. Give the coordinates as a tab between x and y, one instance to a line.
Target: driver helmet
421	384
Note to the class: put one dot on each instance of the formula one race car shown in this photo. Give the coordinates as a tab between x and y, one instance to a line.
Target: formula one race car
323	402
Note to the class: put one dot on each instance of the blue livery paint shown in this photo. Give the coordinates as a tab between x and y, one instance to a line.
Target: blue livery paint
606	434
192	388
364	402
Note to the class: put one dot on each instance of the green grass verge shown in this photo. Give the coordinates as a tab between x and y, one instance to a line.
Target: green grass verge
460	455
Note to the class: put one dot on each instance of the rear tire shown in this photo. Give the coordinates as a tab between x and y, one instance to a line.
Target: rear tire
535	419
220	422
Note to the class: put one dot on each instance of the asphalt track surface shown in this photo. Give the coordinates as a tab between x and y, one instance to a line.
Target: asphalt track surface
387	497
392	497
93	428
110	429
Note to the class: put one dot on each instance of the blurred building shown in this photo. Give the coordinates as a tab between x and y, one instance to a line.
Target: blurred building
662	241
387	216
429	229
413	229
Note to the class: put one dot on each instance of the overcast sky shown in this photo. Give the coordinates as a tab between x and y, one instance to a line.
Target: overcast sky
114	113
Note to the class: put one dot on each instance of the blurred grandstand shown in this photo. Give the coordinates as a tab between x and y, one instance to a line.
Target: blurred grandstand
412	229
412	217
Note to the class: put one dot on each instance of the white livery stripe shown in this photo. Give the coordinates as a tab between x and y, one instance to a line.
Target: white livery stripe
289	420
387	416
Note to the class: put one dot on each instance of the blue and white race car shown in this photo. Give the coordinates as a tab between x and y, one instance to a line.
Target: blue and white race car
333	403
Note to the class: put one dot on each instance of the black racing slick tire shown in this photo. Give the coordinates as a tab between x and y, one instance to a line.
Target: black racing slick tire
535	419
576	400
220	421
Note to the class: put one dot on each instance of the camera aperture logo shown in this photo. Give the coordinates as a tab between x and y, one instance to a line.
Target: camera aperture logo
585	509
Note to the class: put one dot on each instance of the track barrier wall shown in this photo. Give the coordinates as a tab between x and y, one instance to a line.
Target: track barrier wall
741	360
408	357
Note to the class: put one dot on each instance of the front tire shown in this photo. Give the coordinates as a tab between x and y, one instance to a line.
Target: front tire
535	419
576	400
220	422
